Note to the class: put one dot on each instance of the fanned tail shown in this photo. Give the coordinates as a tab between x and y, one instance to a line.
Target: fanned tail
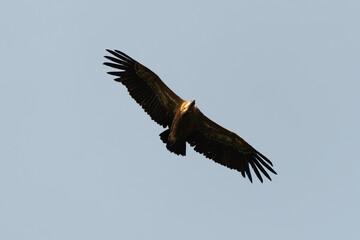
178	148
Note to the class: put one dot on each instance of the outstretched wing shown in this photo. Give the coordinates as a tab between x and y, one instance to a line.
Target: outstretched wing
145	87
227	148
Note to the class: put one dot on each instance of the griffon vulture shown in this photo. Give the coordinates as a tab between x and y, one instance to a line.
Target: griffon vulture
185	122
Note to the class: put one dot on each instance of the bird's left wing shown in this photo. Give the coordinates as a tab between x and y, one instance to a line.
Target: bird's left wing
227	148
159	101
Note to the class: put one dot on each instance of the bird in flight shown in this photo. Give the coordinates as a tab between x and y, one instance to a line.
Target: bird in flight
184	121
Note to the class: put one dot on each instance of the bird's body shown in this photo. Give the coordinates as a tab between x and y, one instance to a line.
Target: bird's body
182	126
185	122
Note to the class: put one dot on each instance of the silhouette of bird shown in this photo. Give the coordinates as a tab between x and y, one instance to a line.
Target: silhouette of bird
185	122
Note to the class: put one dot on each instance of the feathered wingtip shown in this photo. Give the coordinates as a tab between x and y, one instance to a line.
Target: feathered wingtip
119	55
120	61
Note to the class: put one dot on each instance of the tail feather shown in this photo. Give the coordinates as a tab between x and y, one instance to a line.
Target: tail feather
178	148
164	136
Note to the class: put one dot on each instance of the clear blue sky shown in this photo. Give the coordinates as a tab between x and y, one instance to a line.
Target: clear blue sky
80	159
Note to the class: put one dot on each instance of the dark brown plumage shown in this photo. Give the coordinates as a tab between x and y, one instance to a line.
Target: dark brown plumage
185	122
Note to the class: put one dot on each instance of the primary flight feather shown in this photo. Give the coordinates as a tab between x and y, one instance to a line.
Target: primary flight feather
185	122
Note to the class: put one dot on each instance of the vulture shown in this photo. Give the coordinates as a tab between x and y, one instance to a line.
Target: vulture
184	121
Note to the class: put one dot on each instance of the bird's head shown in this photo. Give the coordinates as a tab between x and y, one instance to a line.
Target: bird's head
188	107
191	105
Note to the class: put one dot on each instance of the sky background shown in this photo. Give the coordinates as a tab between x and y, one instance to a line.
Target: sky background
80	159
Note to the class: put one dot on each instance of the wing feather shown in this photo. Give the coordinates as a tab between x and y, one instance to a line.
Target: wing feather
147	89
227	148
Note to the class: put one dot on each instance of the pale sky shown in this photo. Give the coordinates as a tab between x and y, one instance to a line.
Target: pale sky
80	159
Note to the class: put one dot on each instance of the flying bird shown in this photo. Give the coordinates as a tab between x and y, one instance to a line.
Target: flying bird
184	121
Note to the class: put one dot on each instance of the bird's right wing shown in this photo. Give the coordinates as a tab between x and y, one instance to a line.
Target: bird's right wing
227	148
159	101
